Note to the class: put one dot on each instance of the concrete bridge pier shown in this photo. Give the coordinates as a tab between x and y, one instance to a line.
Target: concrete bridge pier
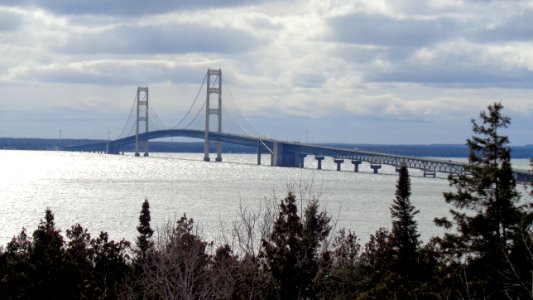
429	173
282	156
112	148
219	153
259	154
319	159
137	153
302	160
356	164
338	161
375	167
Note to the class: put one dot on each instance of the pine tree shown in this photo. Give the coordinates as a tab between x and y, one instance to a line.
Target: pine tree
78	263
110	265
404	235
280	250
486	212
46	258
17	273
145	231
290	252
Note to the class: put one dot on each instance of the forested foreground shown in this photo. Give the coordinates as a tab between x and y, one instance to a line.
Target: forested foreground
282	252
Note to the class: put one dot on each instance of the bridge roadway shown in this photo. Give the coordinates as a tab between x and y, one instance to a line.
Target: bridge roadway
292	154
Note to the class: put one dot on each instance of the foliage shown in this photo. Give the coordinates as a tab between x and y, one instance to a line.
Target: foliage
291	251
404	236
344	277
144	244
179	266
491	226
45	267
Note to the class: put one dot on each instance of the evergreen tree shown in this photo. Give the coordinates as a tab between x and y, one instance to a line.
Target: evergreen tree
404	236
110	265
290	252
486	213
376	267
145	231
280	250
46	258
78	263
344	278
16	279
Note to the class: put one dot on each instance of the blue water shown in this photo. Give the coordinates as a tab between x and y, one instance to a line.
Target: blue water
105	192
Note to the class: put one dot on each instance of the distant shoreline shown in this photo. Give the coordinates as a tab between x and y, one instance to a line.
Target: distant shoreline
434	150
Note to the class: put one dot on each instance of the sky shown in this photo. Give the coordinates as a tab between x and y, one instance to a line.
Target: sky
381	72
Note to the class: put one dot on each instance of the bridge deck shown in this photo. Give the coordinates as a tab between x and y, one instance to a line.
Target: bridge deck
298	149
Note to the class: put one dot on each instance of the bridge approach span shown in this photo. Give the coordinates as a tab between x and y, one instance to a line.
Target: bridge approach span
286	154
292	154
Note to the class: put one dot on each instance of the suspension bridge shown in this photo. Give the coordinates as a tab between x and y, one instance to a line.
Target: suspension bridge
282	153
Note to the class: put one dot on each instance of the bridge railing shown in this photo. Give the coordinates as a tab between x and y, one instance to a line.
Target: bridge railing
424	164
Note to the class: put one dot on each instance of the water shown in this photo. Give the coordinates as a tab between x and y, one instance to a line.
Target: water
105	192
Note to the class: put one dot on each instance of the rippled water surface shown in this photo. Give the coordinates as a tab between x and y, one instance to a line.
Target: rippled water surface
105	192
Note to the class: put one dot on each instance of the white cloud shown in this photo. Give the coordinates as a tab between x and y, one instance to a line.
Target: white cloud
305	61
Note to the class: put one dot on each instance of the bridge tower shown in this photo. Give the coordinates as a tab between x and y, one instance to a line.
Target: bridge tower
214	86
142	117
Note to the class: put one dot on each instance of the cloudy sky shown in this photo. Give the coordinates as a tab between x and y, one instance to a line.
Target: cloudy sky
388	72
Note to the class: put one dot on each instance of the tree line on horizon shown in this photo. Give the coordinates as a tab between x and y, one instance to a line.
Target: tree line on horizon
287	253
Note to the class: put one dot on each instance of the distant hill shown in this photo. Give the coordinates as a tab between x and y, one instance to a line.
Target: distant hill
41	144
435	150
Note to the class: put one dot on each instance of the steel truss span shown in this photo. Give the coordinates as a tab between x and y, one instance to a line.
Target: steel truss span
284	149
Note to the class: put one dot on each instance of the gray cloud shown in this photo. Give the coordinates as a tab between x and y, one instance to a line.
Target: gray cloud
115	73
458	75
381	30
125	7
153	39
296	63
445	51
455	65
9	21
515	27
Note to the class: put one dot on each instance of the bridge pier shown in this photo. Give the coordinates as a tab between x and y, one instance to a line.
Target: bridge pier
356	164
375	167
283	157
338	161
112	148
319	159
258	154
219	153
146	154
429	173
